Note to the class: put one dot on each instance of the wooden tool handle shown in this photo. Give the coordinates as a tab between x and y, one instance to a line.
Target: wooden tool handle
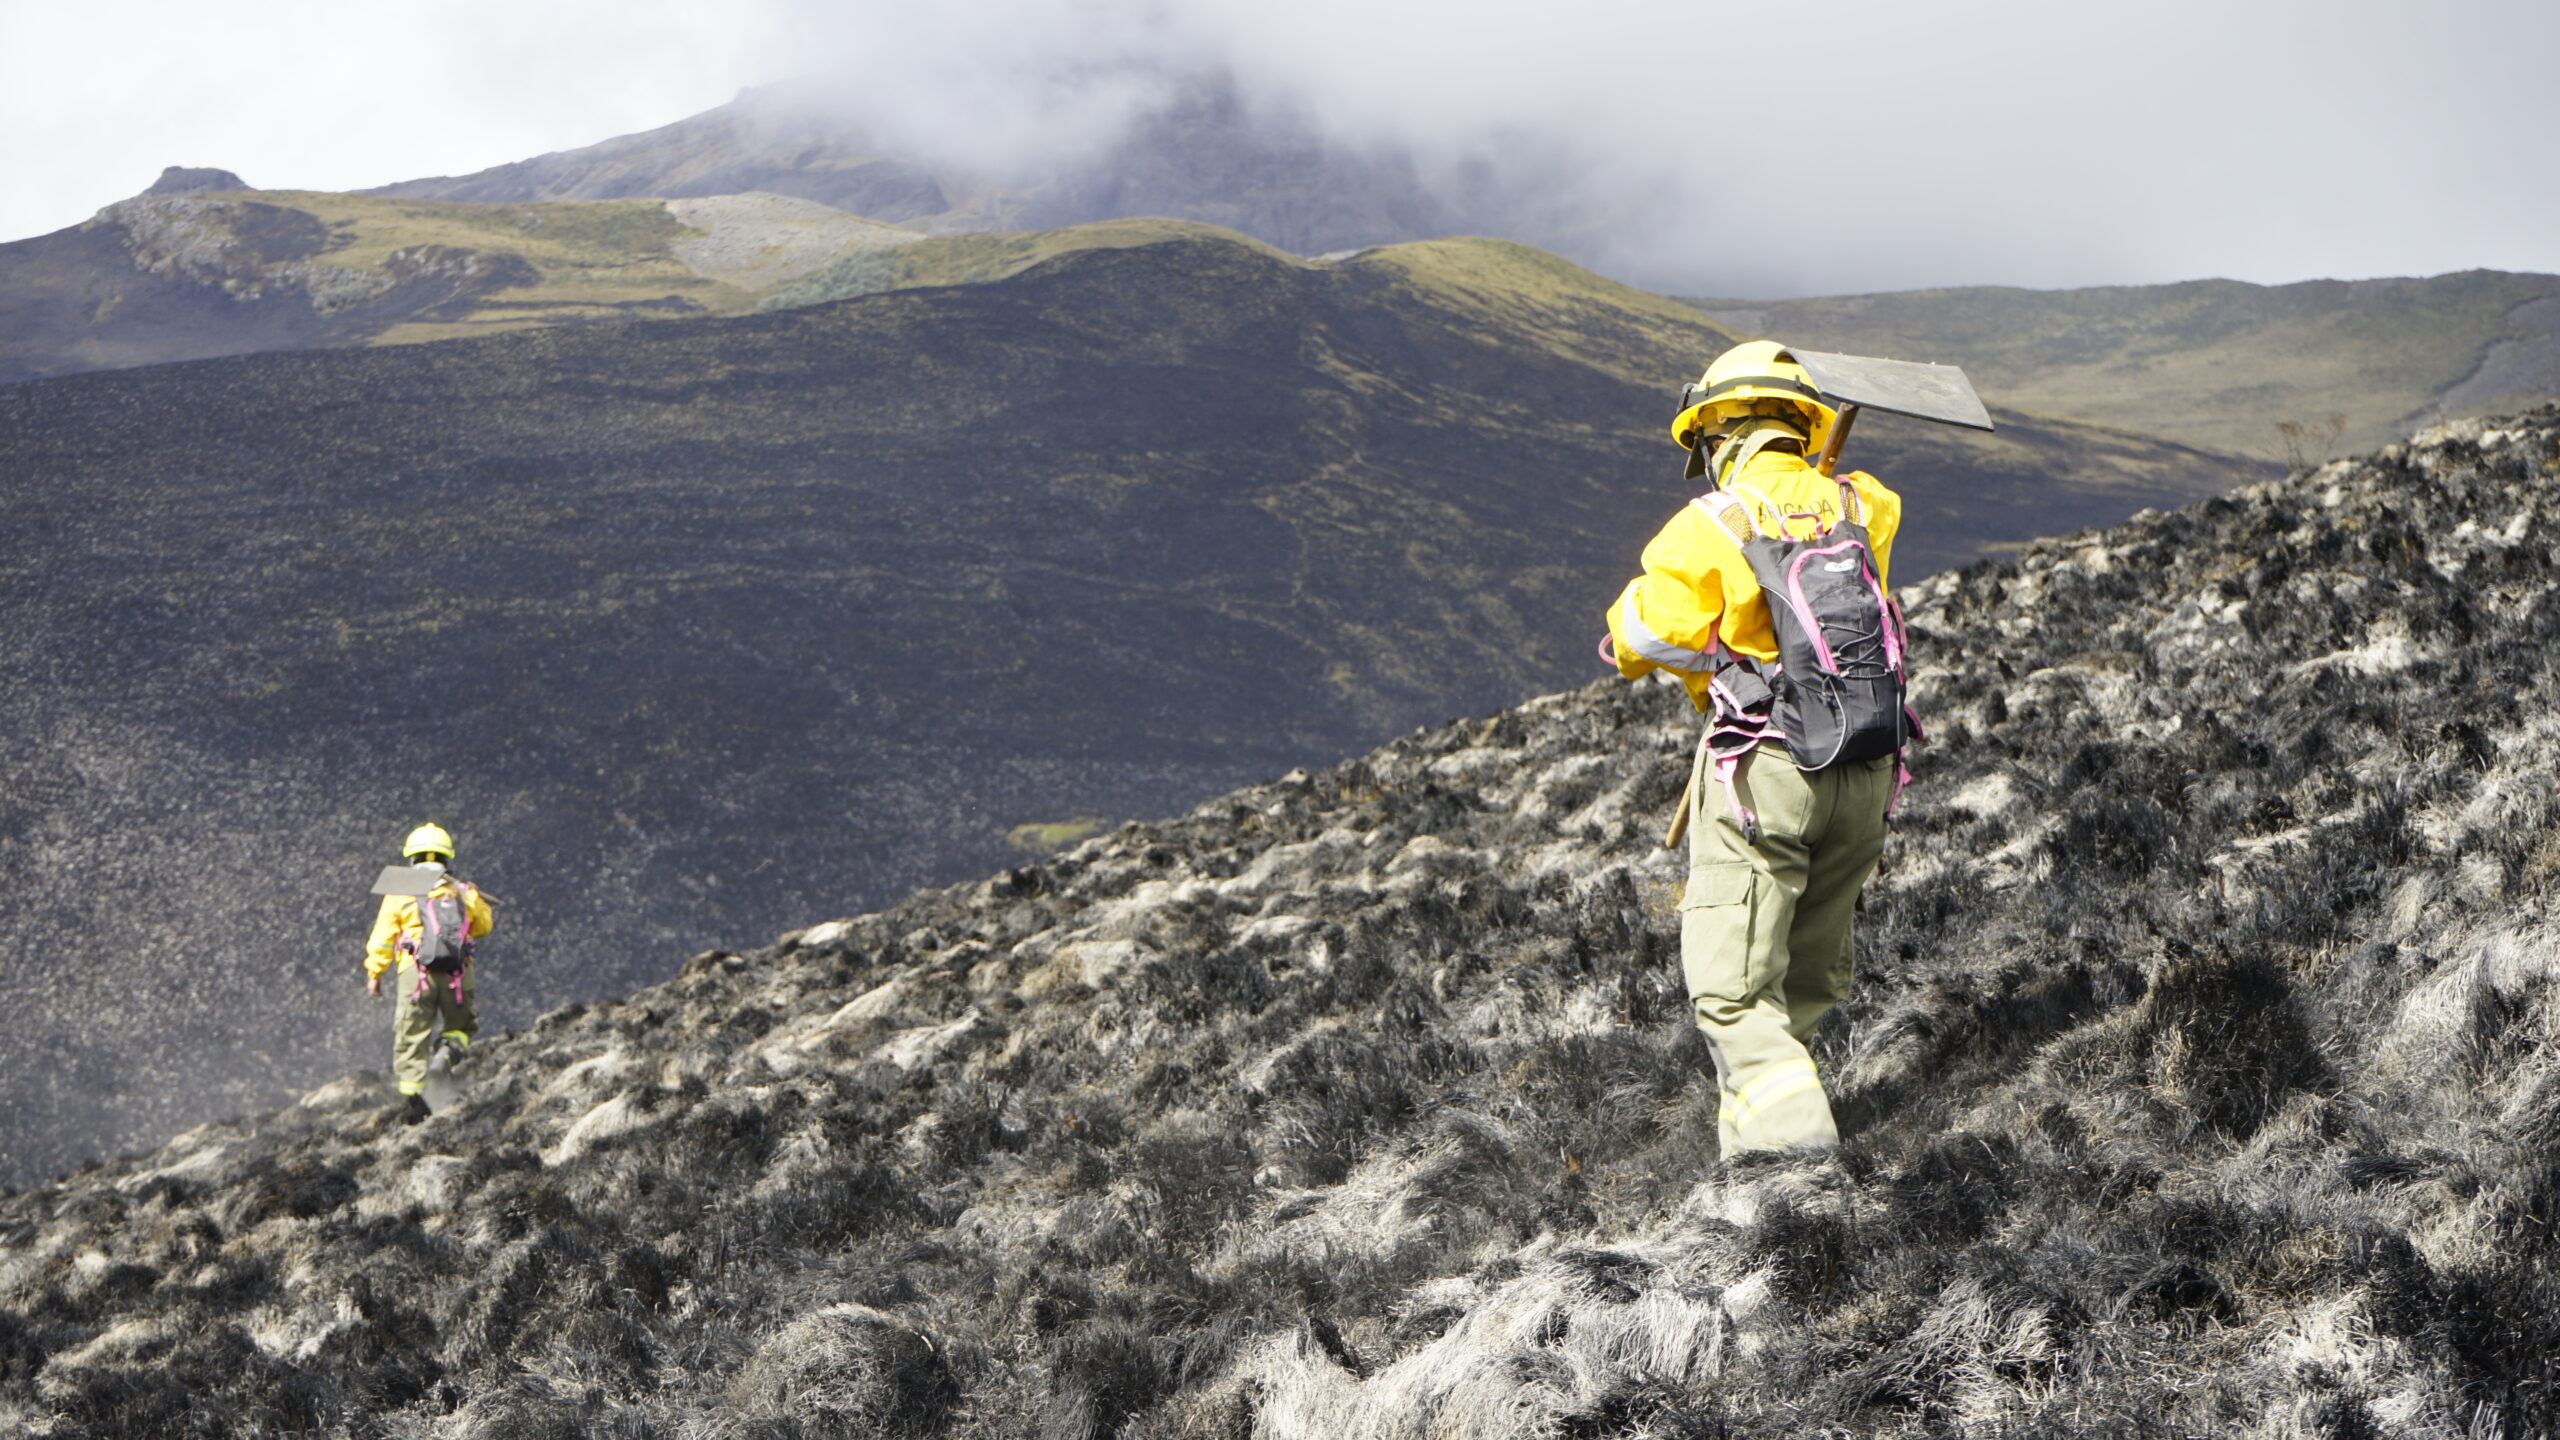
1839	437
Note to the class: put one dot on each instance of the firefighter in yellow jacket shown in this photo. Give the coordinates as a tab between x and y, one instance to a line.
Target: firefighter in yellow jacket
1777	854
434	997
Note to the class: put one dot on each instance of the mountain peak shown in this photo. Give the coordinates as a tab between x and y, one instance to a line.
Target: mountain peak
191	179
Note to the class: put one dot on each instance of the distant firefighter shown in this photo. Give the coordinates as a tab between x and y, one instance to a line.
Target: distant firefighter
1766	596
429	924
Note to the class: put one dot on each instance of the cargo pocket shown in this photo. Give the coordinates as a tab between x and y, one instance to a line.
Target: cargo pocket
1778	791
1716	939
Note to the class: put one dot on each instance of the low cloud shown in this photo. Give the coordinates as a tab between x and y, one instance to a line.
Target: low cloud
1864	145
1701	146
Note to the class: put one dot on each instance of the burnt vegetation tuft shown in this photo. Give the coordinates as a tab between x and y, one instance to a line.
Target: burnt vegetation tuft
2199	1081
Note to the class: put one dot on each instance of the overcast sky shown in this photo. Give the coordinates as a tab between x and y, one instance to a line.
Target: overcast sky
1778	149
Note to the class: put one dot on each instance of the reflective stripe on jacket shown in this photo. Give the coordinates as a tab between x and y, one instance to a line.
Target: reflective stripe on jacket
398	921
1697	589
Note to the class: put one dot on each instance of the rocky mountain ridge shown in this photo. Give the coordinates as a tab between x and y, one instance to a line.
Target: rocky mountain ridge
709	215
2198	1082
194	271
208	267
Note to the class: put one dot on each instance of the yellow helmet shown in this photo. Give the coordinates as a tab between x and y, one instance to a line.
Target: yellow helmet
427	840
1757	377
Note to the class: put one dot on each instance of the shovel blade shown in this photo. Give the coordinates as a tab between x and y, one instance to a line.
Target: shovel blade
1899	387
405	880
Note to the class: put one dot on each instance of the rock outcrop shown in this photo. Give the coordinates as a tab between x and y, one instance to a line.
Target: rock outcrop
180	272
194	179
2199	1082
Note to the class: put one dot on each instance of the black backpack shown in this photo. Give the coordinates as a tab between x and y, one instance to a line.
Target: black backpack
444	928
1837	692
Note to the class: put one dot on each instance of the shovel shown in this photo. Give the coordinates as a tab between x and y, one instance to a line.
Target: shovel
406	880
1937	393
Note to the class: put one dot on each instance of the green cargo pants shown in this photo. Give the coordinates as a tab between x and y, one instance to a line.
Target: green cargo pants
1764	932
416	1019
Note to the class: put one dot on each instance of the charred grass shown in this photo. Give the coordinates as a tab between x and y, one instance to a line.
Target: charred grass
2199	1082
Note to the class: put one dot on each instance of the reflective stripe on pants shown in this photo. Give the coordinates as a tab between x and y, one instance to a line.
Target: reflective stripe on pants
1765	934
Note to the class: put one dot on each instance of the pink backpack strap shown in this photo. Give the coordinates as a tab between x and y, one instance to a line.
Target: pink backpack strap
463	890
1727	767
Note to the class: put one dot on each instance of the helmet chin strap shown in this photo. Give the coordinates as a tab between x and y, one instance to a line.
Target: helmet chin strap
1750	438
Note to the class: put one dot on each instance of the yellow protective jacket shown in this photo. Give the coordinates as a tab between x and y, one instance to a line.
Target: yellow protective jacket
1697	589
397	922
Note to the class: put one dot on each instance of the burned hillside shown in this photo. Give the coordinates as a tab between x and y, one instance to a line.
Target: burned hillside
696	629
2199	1082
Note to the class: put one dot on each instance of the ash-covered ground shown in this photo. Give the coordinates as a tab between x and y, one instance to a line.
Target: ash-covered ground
2200	1082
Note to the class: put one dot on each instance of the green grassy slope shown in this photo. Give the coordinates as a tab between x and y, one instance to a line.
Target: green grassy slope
2216	363
182	277
975	259
587	258
694	628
